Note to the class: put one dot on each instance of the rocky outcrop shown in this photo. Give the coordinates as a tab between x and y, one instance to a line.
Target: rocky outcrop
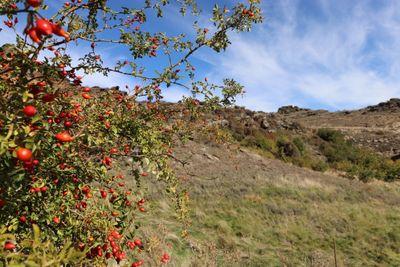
291	109
391	105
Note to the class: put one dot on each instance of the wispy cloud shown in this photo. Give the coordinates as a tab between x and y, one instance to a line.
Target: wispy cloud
326	54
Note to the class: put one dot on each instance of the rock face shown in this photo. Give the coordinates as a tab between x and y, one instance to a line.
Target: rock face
246	122
265	124
97	89
374	127
391	105
290	109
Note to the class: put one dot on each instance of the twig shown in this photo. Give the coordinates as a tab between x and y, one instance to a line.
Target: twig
334	252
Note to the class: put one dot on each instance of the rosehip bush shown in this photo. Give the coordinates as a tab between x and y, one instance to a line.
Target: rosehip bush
63	199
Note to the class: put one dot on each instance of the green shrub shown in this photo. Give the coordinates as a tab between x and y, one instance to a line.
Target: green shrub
357	162
261	141
286	148
339	153
320	166
330	135
299	143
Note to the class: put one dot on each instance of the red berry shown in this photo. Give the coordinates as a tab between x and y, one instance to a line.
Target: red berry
115	234
64	137
34	35
137	263
86	96
34	3
67	124
9	246
58	30
81	246
24	154
85	190
44	27
48	98
22	219
41	84
130	244
56	220
107	161
30	111
165	258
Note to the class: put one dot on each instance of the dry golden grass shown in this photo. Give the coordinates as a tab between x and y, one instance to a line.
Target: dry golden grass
251	211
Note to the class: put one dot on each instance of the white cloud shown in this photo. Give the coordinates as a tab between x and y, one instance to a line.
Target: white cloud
7	36
174	93
331	62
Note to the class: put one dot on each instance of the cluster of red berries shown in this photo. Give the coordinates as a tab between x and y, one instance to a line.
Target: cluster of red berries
43	26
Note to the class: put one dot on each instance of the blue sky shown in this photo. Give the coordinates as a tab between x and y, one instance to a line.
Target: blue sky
312	53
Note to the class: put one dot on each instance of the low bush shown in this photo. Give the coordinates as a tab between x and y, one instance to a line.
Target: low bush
337	153
299	143
261	141
320	166
357	162
286	148
330	135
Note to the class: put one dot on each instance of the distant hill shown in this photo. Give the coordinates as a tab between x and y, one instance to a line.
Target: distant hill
376	127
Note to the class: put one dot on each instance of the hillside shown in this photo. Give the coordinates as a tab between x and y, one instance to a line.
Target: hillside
376	127
248	210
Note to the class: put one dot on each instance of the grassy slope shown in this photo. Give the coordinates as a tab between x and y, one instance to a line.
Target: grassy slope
251	211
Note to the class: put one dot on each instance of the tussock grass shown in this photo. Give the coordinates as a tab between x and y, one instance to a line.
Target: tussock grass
247	210
282	224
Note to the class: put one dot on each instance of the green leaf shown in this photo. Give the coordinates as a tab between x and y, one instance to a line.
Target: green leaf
36	234
30	263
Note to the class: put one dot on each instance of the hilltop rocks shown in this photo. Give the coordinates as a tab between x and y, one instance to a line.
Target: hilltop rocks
391	105
291	109
247	122
97	89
